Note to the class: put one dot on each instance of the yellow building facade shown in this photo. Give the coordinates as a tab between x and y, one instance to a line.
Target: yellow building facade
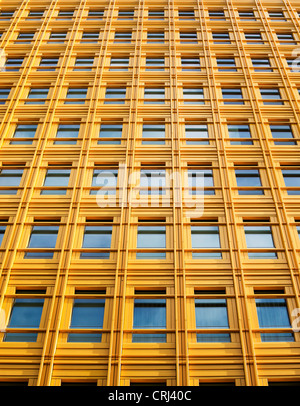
149	192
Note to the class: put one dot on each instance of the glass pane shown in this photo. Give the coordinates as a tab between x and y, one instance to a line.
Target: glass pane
88	313
151	237
206	237
200	178
84	338
20	337
153	131
10	177
211	313
259	237
155	180
26	313
196	131
43	237
277	337
213	338
106	181
149	313
272	313
96	237
239	131
24	131
248	178
149	338
110	131
67	131
56	177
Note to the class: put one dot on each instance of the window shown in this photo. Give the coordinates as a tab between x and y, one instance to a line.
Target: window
291	176
87	314
186	14
217	15
238	132
3	227
13	64
24	134
36	14
154	95
115	95
156	14
56	180
193	96
65	14
272	313
298	226
4	93
105	180
286	39
277	15
221	38
196	134
154	37
6	14
90	37
190	64
25	315
152	181
153	134
67	134
259	240
248	180
96	242
125	14
282	134
261	65
151	240
226	65
271	96
155	63
76	96
48	64
232	96
293	64
119	64
188	37
10	178
205	239
253	38
123	36
42	241
211	314
25	37
247	15
95	14
57	37
110	133
200	180
149	313
83	64
37	96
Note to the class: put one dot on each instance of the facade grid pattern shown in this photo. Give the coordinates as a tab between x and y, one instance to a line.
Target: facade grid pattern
135	98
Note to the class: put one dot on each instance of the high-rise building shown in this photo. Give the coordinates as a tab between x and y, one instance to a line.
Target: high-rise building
150	192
